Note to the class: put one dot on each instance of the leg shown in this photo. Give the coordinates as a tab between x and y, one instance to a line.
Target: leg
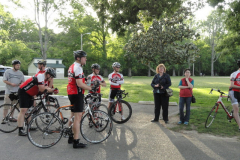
165	101
157	106
188	104
76	124
20	121
181	107
236	114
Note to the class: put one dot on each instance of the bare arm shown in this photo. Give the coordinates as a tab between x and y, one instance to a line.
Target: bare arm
234	86
189	83
42	88
103	84
83	85
11	84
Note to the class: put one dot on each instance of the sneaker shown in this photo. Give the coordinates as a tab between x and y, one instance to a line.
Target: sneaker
11	119
180	122
22	133
3	121
70	140
77	144
185	123
123	118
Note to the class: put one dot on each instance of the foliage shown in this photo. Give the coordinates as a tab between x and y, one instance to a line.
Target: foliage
167	40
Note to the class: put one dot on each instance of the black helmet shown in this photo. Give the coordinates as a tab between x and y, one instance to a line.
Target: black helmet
51	71
16	62
116	64
95	66
42	61
79	53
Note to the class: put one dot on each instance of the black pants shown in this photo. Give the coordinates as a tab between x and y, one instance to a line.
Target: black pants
160	100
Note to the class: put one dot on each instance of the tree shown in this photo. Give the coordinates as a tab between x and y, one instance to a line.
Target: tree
166	41
214	27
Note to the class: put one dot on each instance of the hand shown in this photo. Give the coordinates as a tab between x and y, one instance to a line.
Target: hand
187	79
157	85
14	85
161	87
55	91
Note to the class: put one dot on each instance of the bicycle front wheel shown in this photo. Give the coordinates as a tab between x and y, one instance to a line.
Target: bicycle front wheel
49	134
96	128
120	111
99	106
8	122
211	116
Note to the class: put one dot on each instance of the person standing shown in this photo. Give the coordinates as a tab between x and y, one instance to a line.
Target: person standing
234	93
116	80
30	88
185	96
13	78
75	89
160	83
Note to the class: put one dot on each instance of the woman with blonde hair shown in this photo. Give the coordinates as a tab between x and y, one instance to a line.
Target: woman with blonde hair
160	83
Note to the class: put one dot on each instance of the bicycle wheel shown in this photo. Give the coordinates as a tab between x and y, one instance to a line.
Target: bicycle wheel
50	133
100	131
99	106
45	119
211	116
8	124
120	111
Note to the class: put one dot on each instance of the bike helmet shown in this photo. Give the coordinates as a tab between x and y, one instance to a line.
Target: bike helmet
16	62
95	66
42	61
51	71
79	53
116	64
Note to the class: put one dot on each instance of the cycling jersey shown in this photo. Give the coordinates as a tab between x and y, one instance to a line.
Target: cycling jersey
40	72
30	86
235	76
96	78
116	79
75	71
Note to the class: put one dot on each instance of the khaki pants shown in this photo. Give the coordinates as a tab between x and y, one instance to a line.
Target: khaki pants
8	101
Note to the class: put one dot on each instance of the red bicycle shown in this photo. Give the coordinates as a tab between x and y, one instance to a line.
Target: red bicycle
214	110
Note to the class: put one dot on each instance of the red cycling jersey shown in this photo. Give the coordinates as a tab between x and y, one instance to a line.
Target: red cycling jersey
116	79
75	71
235	77
30	86
47	83
96	78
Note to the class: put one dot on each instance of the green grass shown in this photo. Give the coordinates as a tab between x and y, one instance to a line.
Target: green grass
139	89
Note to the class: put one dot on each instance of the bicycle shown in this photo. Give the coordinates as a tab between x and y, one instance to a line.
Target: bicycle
212	115
120	111
95	127
8	126
95	104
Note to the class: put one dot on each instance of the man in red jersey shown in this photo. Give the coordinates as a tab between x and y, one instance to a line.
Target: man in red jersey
75	89
30	88
115	79
96	77
234	93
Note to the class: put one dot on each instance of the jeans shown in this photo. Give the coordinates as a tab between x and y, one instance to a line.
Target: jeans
182	101
161	101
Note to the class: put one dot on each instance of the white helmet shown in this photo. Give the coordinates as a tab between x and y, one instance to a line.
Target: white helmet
116	64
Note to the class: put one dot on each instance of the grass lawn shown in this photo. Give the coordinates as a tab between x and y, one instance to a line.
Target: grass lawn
139	89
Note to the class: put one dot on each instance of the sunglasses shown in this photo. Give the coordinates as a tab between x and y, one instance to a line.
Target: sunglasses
117	67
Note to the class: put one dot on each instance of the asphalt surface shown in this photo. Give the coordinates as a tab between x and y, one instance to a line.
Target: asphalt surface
138	139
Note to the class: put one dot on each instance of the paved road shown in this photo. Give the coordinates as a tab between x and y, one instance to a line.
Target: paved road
138	139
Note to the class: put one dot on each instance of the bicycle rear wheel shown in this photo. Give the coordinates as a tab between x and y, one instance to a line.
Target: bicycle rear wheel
8	124
49	134
211	116
120	111
98	133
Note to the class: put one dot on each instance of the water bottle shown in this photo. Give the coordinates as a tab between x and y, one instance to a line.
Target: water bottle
89	81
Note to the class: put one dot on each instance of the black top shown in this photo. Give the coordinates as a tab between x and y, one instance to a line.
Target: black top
164	81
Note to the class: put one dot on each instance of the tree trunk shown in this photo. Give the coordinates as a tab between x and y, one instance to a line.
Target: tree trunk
212	56
174	74
149	70
129	72
46	33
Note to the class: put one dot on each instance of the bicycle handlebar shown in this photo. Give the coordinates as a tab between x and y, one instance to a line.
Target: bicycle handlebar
218	90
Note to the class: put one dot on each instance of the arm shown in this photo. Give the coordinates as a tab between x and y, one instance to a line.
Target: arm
11	84
189	83
51	83
103	83
82	85
42	88
234	86
168	83
153	82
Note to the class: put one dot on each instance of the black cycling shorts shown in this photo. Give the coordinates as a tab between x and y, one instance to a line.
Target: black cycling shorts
25	100
77	101
112	94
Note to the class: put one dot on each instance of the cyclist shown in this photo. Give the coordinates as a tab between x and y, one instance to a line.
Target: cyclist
115	79
13	78
96	77
234	93
75	89
31	87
